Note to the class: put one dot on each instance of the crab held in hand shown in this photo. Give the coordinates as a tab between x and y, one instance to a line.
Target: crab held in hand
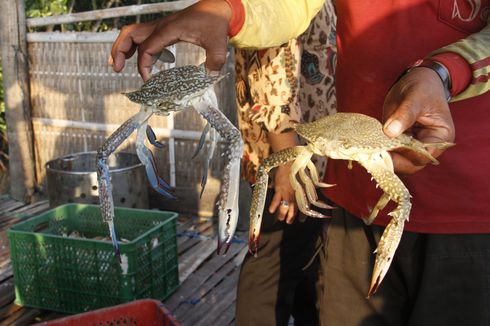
170	90
352	137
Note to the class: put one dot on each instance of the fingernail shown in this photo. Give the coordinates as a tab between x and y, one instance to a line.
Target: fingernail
394	128
110	61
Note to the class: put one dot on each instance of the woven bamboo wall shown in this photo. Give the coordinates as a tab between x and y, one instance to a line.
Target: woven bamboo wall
77	102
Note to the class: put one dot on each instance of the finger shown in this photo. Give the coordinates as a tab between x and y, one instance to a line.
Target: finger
404	165
402	118
162	36
127	41
291	214
216	57
283	212
276	201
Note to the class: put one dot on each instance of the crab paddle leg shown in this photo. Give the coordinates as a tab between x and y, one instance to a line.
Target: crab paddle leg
103	176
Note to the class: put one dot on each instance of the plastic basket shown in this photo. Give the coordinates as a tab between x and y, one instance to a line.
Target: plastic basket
144	312
62	273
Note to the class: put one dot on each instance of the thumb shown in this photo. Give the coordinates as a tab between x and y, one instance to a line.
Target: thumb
216	57
400	120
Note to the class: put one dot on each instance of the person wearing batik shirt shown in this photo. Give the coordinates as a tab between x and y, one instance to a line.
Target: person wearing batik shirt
276	89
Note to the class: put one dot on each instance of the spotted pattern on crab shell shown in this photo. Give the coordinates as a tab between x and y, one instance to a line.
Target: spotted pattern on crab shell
163	89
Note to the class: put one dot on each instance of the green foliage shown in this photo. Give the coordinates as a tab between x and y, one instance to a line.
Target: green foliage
42	8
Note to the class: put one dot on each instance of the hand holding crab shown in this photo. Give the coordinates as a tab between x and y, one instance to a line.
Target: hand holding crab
352	137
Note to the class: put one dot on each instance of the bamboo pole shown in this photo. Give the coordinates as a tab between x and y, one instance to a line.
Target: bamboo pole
134	10
72	37
105	127
17	103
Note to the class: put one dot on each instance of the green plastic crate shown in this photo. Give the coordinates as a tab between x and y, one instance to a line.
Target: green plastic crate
72	275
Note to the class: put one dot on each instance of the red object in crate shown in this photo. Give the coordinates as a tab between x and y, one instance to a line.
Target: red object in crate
145	312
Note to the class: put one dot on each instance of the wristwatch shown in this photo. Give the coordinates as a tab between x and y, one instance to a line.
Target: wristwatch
439	69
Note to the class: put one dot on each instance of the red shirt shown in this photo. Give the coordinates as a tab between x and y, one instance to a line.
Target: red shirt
377	40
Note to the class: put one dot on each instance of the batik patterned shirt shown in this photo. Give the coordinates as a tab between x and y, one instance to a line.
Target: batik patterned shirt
279	87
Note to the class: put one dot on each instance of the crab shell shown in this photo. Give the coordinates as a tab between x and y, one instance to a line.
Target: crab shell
346	135
167	89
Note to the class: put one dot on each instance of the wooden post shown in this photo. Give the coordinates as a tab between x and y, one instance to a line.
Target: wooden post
17	101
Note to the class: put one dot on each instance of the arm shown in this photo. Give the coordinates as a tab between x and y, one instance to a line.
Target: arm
207	24
264	24
472	79
417	101
267	98
282	186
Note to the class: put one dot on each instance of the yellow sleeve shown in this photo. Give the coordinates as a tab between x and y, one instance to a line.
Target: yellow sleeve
476	50
269	23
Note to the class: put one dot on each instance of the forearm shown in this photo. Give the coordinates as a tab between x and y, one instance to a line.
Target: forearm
475	50
283	140
265	23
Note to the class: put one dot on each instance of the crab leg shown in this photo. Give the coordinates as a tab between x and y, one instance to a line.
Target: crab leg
301	197
209	153
103	176
394	188
207	160
382	202
146	157
260	190
314	176
421	148
202	140
311	190
207	106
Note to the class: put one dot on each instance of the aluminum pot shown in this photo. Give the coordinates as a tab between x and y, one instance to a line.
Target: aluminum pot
73	179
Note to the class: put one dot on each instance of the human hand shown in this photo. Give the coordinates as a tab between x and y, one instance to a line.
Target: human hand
283	191
204	24
417	105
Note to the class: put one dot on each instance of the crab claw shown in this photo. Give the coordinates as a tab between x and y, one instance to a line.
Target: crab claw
387	246
112	233
228	212
150	134
257	209
228	202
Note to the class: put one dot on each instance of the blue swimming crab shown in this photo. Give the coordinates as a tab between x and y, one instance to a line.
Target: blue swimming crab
167	91
352	137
